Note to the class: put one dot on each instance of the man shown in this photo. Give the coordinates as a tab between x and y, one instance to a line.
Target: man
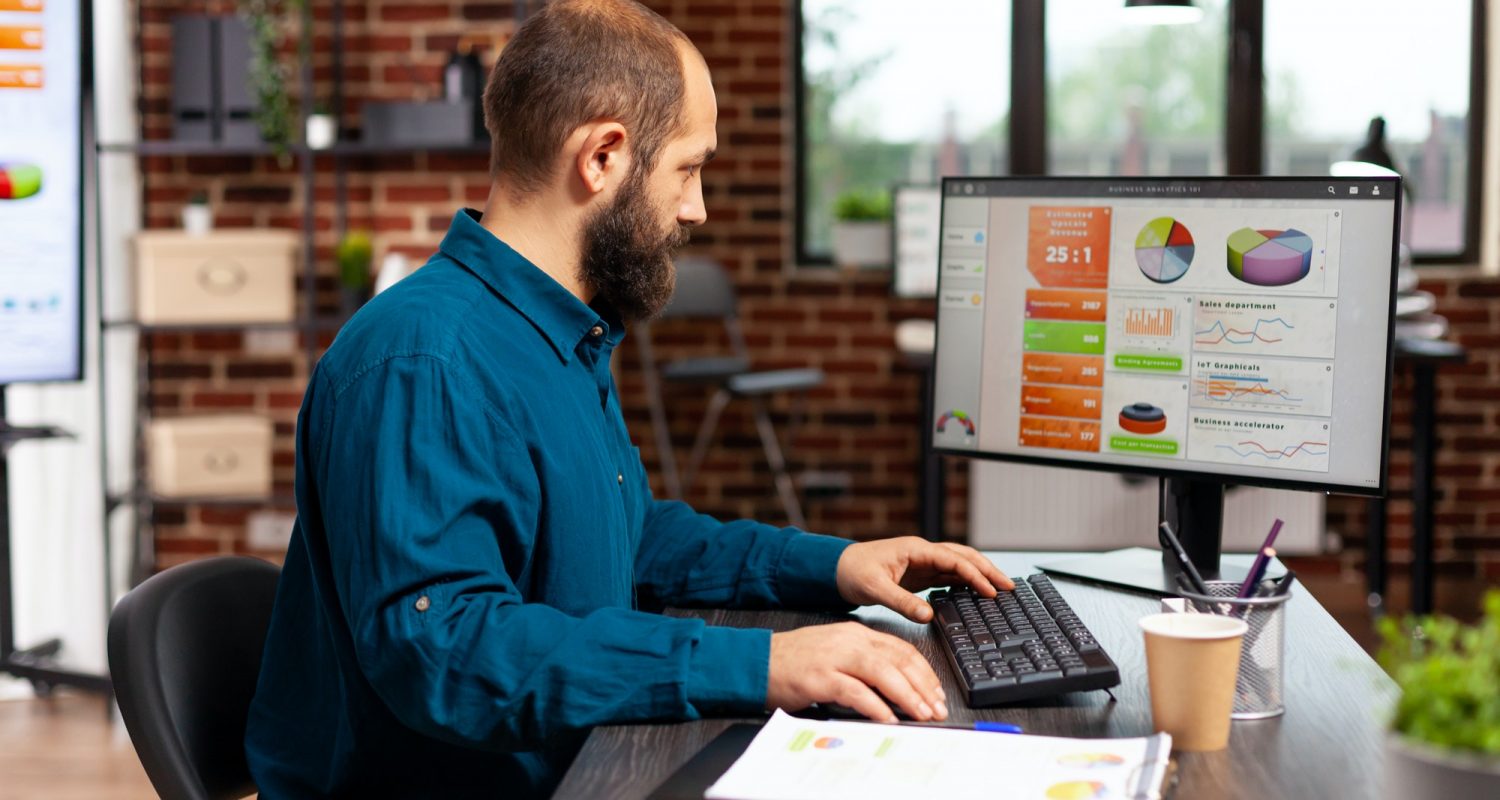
475	530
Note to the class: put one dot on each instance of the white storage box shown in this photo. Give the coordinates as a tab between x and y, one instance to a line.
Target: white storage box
224	276
221	455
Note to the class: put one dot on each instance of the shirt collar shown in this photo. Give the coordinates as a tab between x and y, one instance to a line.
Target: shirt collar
563	319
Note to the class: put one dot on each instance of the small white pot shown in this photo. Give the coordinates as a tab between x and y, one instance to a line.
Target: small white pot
197	219
862	244
321	132
1417	771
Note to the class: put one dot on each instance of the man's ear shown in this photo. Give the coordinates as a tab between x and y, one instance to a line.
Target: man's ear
602	156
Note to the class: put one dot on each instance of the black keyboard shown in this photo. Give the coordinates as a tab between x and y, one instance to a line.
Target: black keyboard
1023	644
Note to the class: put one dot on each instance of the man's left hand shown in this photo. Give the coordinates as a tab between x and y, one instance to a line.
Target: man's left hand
886	572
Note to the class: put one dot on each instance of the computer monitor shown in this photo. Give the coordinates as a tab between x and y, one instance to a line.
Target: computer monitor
1208	331
917	213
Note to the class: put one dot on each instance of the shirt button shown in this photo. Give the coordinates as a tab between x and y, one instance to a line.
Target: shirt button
620	478
596	331
423	603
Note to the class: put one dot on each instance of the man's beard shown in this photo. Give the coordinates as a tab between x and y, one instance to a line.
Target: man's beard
627	258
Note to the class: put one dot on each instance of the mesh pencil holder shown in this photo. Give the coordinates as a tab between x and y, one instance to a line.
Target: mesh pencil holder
1258	690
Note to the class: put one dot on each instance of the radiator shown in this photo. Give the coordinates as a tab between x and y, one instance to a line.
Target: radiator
1019	507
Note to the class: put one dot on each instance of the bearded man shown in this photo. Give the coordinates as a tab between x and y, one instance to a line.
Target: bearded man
475	535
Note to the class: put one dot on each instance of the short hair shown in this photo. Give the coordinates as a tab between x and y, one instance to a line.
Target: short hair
576	61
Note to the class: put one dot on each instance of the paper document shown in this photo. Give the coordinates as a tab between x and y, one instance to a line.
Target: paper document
798	759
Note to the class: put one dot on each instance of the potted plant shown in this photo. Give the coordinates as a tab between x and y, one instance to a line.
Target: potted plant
197	216
355	254
1445	738
862	229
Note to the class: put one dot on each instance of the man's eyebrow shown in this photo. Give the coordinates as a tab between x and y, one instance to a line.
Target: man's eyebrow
706	156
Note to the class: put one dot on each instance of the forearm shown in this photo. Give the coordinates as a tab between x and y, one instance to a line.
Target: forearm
687	558
483	670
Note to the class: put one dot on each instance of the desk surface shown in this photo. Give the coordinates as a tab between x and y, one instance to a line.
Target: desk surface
1328	744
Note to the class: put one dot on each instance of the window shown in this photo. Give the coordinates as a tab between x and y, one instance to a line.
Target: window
896	92
1127	99
907	92
1406	62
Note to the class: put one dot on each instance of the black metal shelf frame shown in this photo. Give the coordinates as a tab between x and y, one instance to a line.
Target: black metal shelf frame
308	323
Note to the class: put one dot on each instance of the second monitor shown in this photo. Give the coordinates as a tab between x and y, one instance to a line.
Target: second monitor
1210	331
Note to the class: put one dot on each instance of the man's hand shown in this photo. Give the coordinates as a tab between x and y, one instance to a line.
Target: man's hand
887	571
841	663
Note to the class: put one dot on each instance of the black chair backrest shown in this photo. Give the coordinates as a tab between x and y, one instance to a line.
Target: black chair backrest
184	655
703	290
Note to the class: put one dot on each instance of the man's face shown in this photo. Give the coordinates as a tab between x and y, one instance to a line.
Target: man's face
628	244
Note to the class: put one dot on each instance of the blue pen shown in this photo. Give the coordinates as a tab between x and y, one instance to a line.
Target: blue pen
981	725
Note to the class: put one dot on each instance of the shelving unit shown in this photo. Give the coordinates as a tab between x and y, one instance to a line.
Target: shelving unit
307	322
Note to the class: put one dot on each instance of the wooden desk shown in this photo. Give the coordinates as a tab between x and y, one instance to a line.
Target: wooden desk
1328	744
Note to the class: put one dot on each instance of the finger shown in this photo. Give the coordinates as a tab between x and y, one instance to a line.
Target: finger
854	693
921	675
892	681
945	559
986	566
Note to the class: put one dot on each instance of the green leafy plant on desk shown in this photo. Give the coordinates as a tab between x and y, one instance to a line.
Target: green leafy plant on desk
1447	719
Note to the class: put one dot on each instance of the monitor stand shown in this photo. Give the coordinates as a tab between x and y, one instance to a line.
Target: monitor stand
1195	509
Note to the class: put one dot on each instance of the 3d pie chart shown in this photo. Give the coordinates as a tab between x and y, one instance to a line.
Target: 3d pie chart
19	180
1143	418
1164	250
1270	257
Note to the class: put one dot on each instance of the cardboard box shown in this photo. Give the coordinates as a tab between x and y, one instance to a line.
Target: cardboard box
224	276
220	455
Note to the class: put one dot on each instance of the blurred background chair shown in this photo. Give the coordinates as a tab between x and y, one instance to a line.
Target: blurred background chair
705	291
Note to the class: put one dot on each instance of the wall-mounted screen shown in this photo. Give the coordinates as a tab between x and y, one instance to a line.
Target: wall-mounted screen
41	190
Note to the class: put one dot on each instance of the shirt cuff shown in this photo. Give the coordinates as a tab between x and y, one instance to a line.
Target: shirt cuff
729	670
807	575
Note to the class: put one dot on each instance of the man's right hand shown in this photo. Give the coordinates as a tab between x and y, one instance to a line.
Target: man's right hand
846	663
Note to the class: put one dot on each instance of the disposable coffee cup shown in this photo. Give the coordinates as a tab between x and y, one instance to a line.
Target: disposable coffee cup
1192	661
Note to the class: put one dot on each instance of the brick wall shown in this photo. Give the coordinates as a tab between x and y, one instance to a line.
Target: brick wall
863	421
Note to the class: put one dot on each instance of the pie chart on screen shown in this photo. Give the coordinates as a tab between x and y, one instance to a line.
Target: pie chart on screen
19	180
1164	250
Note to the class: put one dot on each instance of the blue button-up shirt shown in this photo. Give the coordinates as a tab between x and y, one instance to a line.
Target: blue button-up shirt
458	603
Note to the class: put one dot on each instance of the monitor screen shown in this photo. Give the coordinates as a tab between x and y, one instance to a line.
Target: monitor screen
917	212
1236	328
41	191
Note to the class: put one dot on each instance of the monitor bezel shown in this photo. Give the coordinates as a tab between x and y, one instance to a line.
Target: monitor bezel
1131	469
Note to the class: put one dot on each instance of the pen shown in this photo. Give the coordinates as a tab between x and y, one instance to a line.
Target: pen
1187	564
1257	572
1283	584
1258	569
981	725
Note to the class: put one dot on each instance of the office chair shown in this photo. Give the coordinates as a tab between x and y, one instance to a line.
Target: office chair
184	655
705	291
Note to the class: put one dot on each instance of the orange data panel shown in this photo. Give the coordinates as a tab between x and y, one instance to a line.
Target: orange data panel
1065	304
20	76
21	5
1061	401
1060	434
20	37
1067	247
1059	368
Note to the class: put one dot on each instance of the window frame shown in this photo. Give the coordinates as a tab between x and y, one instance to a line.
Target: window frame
1244	133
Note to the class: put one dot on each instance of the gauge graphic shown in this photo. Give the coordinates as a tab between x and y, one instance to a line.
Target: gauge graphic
828	743
1164	250
1090	760
961	417
1077	790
